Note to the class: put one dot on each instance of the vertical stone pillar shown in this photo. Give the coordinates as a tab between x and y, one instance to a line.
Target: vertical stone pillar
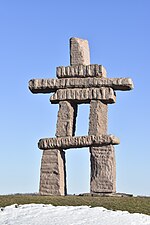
79	52
66	119
103	169
53	168
52	177
98	118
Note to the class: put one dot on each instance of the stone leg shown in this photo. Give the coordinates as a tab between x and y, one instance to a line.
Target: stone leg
53	168
53	173
103	169
98	118
103	177
66	119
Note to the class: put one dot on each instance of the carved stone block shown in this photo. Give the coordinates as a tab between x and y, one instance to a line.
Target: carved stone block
77	142
103	169
51	85
79	52
66	119
53	173
80	71
98	118
84	95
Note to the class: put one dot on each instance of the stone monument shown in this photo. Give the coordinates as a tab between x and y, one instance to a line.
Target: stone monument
80	83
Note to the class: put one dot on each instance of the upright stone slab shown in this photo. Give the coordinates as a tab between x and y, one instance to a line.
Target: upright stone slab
53	173
103	169
66	119
98	119
103	165
79	52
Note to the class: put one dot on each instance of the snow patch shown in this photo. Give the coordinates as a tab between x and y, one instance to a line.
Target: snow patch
40	214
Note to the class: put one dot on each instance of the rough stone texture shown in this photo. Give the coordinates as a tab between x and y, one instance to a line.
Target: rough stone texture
98	118
77	142
103	170
80	71
79	52
77	84
53	169
51	85
53	173
84	95
66	119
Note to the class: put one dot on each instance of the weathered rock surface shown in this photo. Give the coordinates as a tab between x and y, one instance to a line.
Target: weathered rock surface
80	71
66	119
51	85
77	84
53	173
84	95
103	169
53	165
98	118
79	52
77	142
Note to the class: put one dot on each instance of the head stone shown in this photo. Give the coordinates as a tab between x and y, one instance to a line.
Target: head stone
79	52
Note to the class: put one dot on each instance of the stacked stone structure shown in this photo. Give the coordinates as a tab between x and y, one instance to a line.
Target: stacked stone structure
80	83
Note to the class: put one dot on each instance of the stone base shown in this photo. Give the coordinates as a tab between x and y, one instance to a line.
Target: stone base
106	194
53	174
103	170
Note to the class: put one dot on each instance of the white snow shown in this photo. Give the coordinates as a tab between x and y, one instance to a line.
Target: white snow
39	214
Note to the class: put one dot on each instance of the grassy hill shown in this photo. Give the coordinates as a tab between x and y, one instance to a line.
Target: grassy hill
130	204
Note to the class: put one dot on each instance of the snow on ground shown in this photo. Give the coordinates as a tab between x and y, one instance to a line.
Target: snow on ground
39	214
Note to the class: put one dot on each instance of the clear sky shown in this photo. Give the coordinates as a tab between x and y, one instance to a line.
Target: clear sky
34	40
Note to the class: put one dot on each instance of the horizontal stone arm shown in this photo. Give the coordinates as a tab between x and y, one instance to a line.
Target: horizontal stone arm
51	85
80	71
84	95
77	142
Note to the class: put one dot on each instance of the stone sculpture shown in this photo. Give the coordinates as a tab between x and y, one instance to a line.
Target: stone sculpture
76	84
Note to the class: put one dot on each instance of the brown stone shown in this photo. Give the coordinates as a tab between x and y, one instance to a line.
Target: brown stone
53	169
98	118
79	52
84	95
103	169
53	173
80	71
66	119
77	142
81	82
51	85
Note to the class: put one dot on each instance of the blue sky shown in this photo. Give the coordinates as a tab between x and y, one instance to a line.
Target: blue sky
34	40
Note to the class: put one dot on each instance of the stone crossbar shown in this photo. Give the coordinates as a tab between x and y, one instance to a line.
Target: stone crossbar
77	142
51	85
80	71
84	95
